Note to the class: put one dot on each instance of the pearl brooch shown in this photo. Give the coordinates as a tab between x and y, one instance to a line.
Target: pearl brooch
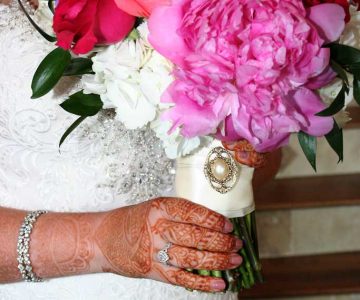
221	170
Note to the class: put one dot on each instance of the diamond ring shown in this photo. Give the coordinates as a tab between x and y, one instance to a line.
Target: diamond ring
163	255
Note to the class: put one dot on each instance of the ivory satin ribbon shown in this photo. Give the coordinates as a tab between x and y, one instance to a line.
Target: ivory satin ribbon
191	184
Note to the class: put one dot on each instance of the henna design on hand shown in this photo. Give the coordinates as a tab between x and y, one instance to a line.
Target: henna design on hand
125	240
196	236
185	211
130	238
188	258
189	280
245	153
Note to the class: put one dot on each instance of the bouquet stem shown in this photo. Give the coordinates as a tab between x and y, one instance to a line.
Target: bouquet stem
249	273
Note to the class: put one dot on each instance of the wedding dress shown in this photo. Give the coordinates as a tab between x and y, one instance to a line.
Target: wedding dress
101	166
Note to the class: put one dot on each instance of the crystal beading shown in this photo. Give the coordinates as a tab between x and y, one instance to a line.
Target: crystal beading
23	246
136	166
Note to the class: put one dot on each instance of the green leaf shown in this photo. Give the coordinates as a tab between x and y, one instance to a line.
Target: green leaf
79	66
344	55
138	22
356	91
49	72
133	35
340	71
336	141
71	129
337	105
46	36
354	69
83	104
308	144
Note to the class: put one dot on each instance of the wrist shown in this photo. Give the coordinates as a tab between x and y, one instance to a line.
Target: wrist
100	263
64	244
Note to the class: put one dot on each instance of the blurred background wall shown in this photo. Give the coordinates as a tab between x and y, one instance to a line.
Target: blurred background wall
321	229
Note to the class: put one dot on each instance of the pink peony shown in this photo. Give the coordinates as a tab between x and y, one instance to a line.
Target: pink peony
251	63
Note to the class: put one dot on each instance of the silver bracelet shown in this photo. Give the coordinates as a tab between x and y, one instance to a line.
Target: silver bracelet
23	246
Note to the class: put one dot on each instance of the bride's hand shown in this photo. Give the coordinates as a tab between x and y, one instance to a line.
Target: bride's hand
130	238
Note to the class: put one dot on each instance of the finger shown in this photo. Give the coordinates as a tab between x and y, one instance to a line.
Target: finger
196	237
189	258
188	280
182	210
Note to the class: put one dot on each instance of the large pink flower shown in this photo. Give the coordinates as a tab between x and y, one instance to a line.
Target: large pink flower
81	24
250	63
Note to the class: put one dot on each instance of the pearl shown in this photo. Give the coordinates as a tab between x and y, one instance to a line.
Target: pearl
220	169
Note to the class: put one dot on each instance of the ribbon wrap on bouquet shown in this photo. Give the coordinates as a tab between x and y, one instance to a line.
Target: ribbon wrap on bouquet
192	184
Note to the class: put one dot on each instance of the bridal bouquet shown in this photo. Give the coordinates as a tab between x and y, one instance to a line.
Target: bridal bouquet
221	83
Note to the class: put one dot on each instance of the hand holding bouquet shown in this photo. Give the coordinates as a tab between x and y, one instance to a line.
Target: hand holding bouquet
221	82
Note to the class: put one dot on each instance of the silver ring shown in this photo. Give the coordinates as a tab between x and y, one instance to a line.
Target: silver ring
163	255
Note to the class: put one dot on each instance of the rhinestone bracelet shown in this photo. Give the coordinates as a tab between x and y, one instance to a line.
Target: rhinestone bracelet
23	245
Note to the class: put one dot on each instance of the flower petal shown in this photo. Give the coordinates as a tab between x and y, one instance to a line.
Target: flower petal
192	118
322	80
309	104
164	38
329	18
112	24
140	8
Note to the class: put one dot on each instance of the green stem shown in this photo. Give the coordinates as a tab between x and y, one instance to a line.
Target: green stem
204	272
239	285
244	278
248	267
216	273
248	222
253	232
250	249
245	281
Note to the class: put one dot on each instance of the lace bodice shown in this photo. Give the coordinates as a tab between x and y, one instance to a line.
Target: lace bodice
100	167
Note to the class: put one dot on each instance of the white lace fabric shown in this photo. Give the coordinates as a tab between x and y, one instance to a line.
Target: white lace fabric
102	166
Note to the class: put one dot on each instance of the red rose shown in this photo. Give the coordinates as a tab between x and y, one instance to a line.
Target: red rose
81	24
344	3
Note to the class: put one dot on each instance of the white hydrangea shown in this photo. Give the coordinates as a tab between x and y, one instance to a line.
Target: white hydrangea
175	144
130	77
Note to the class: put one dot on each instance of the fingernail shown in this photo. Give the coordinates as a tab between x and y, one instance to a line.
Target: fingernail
235	259
228	227
238	244
218	284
